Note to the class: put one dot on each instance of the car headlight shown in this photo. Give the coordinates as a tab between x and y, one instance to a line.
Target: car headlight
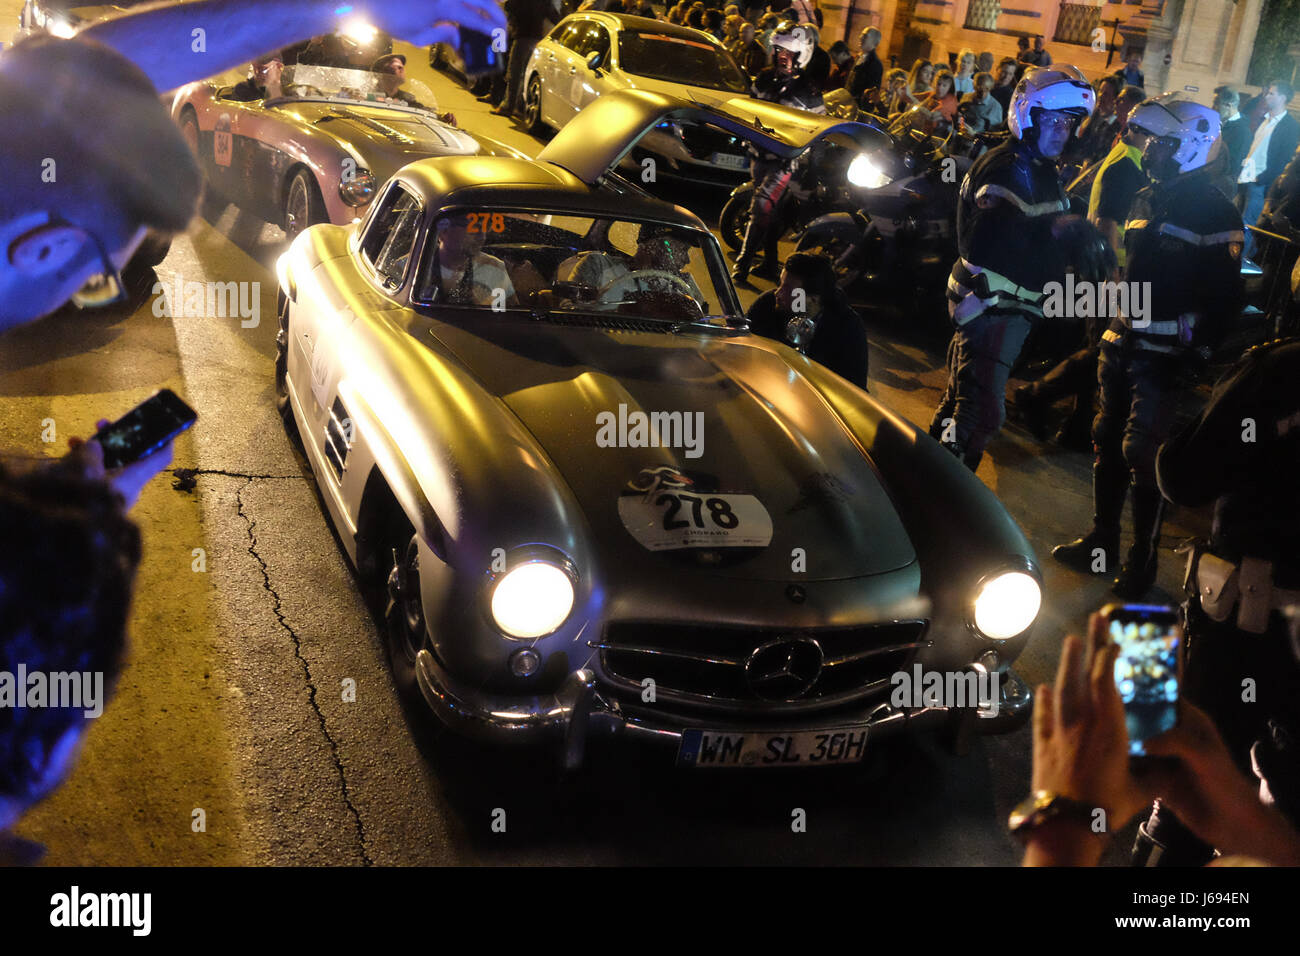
532	599
1007	604
358	190
866	174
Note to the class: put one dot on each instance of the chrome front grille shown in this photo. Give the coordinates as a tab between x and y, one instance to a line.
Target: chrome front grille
713	664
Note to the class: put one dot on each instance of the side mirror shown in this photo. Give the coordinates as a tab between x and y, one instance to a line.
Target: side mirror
593	61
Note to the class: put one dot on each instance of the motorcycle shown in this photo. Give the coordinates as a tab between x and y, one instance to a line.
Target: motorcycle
900	222
814	192
817	188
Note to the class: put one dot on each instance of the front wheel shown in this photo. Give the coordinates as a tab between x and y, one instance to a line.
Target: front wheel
733	222
303	204
282	403
404	627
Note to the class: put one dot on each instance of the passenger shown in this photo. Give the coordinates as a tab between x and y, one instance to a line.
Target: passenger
264	84
391	70
466	274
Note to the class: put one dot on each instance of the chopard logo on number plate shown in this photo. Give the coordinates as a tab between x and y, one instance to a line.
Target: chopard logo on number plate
665	510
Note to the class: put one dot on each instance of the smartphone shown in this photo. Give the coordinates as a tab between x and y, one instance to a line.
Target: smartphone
1149	668
146	428
478	54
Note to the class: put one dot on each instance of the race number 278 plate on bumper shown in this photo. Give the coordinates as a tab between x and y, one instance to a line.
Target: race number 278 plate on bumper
805	748
672	520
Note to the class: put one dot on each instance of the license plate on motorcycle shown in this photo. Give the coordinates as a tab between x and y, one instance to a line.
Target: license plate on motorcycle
707	749
730	161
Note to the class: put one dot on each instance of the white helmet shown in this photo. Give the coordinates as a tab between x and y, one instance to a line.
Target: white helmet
1196	127
1056	88
797	39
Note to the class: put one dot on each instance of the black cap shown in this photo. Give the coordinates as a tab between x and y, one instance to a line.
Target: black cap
381	62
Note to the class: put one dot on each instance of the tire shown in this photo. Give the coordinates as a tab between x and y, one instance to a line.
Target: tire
841	243
153	250
303	204
733	221
533	124
404	627
282	403
190	130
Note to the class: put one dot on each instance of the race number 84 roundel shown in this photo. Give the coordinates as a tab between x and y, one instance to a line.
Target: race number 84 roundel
671	519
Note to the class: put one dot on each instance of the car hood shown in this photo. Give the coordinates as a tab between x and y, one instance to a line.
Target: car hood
595	140
698	94
766	432
398	136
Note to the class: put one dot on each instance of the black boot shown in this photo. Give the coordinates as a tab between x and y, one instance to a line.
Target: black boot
1139	571
1097	552
1030	410
740	272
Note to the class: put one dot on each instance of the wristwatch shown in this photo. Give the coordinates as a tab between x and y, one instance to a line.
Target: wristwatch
1041	806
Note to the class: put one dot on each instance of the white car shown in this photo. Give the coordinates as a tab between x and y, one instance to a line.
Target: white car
591	53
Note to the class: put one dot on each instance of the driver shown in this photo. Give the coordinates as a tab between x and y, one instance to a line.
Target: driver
466	274
391	70
662	252
264	84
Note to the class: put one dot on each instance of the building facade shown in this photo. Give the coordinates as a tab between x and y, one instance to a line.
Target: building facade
1187	45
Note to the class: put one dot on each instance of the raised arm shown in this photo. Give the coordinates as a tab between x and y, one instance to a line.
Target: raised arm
177	43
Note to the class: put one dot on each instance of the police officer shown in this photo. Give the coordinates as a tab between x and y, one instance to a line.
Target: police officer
1243	453
1183	242
1013	237
786	82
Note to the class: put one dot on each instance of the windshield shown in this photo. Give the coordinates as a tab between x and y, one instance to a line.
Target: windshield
575	264
303	82
691	62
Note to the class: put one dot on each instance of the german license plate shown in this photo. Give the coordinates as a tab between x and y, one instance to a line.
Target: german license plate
805	748
731	161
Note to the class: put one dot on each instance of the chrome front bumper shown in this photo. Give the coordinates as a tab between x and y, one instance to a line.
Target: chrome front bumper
578	710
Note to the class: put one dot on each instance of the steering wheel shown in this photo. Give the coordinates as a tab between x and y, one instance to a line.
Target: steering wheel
682	286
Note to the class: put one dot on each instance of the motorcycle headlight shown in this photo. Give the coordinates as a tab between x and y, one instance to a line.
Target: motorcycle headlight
532	599
354	28
358	190
59	27
865	173
1007	604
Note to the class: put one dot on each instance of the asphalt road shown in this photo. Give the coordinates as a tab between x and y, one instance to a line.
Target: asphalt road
232	703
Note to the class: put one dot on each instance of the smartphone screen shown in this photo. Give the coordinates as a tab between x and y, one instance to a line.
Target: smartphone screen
1148	669
144	429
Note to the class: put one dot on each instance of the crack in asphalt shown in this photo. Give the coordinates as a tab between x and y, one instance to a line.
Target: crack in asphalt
297	650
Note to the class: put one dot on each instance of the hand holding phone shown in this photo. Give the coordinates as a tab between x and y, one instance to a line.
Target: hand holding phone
1148	668
145	429
132	451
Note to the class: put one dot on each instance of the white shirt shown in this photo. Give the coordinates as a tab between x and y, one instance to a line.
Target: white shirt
1257	158
964	84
